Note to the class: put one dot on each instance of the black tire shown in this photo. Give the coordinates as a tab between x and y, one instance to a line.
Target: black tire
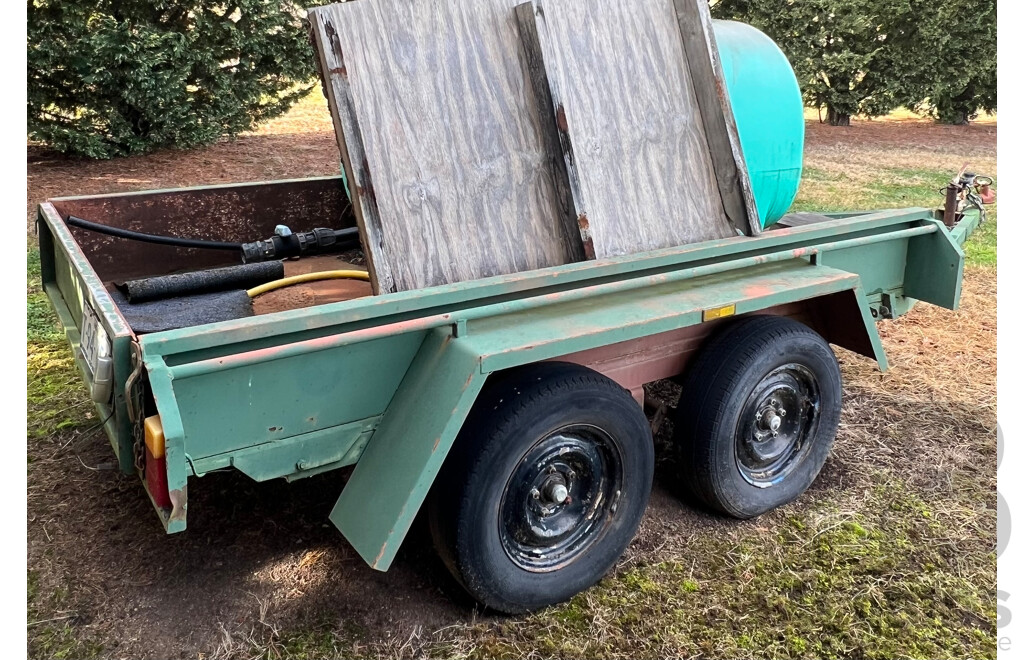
532	429
741	452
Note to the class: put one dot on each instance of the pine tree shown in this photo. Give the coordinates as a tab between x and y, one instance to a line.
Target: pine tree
851	56
960	81
115	77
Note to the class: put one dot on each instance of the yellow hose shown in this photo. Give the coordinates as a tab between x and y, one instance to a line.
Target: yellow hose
309	277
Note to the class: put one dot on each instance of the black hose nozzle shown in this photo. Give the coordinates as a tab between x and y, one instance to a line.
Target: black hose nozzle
286	244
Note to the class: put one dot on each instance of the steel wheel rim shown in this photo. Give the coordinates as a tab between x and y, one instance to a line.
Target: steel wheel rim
559	499
777	422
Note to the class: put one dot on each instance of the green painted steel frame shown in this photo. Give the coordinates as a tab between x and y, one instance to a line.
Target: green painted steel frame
436	347
70	283
468	331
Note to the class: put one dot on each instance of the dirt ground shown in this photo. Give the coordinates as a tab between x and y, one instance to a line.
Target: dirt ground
260	560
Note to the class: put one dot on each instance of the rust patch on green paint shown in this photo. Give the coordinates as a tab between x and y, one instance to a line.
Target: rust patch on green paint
179	504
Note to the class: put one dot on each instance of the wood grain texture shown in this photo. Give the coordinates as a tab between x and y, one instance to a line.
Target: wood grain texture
630	126
705	66
453	160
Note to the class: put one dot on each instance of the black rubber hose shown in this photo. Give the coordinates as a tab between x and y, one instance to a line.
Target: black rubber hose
201	281
152	238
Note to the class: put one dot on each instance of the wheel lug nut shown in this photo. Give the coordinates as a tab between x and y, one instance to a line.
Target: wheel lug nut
552	470
572	474
535	494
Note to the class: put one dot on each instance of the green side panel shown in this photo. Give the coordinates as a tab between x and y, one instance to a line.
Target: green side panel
881	266
271	400
399	464
769	111
935	268
328	448
548	332
119	436
70	283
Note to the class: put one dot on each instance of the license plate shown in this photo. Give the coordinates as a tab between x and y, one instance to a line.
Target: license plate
95	349
88	344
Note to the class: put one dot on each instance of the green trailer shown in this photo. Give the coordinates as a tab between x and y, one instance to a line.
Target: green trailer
509	410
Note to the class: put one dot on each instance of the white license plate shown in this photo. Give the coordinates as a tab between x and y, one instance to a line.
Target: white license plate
88	344
95	348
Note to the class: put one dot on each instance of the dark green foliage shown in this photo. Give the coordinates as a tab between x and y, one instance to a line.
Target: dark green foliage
868	57
961	79
115	77
851	57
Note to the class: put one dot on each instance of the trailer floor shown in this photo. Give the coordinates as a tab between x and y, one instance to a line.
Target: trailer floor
315	293
889	554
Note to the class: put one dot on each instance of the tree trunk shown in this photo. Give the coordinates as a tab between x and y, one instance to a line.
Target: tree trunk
956	118
837	118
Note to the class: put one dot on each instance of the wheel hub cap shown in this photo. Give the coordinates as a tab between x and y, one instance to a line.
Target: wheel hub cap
556	492
559	497
778	417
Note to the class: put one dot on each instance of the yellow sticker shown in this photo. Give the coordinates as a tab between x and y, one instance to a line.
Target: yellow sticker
719	312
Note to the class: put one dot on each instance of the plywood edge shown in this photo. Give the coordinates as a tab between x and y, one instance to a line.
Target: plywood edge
533	34
702	57
566	184
346	127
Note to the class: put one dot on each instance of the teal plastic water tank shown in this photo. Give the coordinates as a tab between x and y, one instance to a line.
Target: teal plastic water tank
769	112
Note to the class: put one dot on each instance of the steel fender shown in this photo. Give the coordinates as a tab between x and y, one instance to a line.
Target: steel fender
405	453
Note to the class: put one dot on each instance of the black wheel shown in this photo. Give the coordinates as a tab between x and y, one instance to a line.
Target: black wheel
544	488
758	415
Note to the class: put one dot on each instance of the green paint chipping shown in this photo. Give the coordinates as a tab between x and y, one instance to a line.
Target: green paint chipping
877	573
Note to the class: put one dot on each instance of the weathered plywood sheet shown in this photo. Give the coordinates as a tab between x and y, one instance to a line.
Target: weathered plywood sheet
705	65
639	161
452	159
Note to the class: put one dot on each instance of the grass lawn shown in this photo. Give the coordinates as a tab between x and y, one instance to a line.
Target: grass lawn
890	554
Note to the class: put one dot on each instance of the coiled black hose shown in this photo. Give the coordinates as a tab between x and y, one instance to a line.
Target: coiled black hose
152	238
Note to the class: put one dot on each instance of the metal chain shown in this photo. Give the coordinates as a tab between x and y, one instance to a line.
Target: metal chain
134	404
